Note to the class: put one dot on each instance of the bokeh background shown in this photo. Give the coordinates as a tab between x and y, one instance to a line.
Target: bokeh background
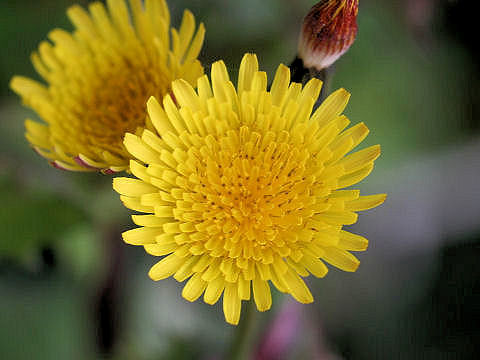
71	289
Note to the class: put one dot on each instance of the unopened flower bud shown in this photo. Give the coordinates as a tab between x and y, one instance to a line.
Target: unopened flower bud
328	31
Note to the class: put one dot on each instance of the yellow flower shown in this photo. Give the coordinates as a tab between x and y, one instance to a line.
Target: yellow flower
99	78
242	186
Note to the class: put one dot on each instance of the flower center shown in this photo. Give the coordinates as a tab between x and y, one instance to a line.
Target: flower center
256	193
111	103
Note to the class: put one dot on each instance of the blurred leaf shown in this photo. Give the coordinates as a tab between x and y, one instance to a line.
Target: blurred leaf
82	252
20	39
30	220
181	349
411	100
43	318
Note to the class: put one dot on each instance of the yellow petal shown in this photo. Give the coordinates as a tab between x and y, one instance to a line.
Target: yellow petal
149	220
173	115
47	53
279	265
133	203
102	22
132	187
360	158
248	67
152	140
27	87
38	133
243	288
299	268
232	305
139	171
344	195
297	287
261	294
357	133
154	199
87	162
213	270
142	235
315	266
187	29
140	150
338	217
365	202
158	117
355	177
194	288
203	263
349	241
172	228
119	12
160	249
165	267
164	211
264	270
331	107
279	282
219	76
259	82
341	259
204	88
280	85
311	90
185	95
82	21
196	45
186	270
214	290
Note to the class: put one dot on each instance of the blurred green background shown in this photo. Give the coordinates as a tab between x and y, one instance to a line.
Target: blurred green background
71	289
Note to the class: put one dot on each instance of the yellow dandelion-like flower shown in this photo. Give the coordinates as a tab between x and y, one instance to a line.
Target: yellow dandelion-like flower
99	78
242	188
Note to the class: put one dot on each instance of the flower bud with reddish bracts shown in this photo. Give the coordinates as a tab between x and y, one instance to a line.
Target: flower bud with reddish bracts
328	31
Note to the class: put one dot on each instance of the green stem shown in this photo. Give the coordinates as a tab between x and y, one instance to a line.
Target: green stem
242	343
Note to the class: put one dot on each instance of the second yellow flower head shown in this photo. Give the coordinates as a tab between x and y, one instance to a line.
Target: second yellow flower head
99	77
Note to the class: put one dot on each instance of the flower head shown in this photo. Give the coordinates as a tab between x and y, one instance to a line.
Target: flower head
242	187
327	33
99	77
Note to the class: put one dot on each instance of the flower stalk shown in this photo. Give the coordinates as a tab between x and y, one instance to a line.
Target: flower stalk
243	341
